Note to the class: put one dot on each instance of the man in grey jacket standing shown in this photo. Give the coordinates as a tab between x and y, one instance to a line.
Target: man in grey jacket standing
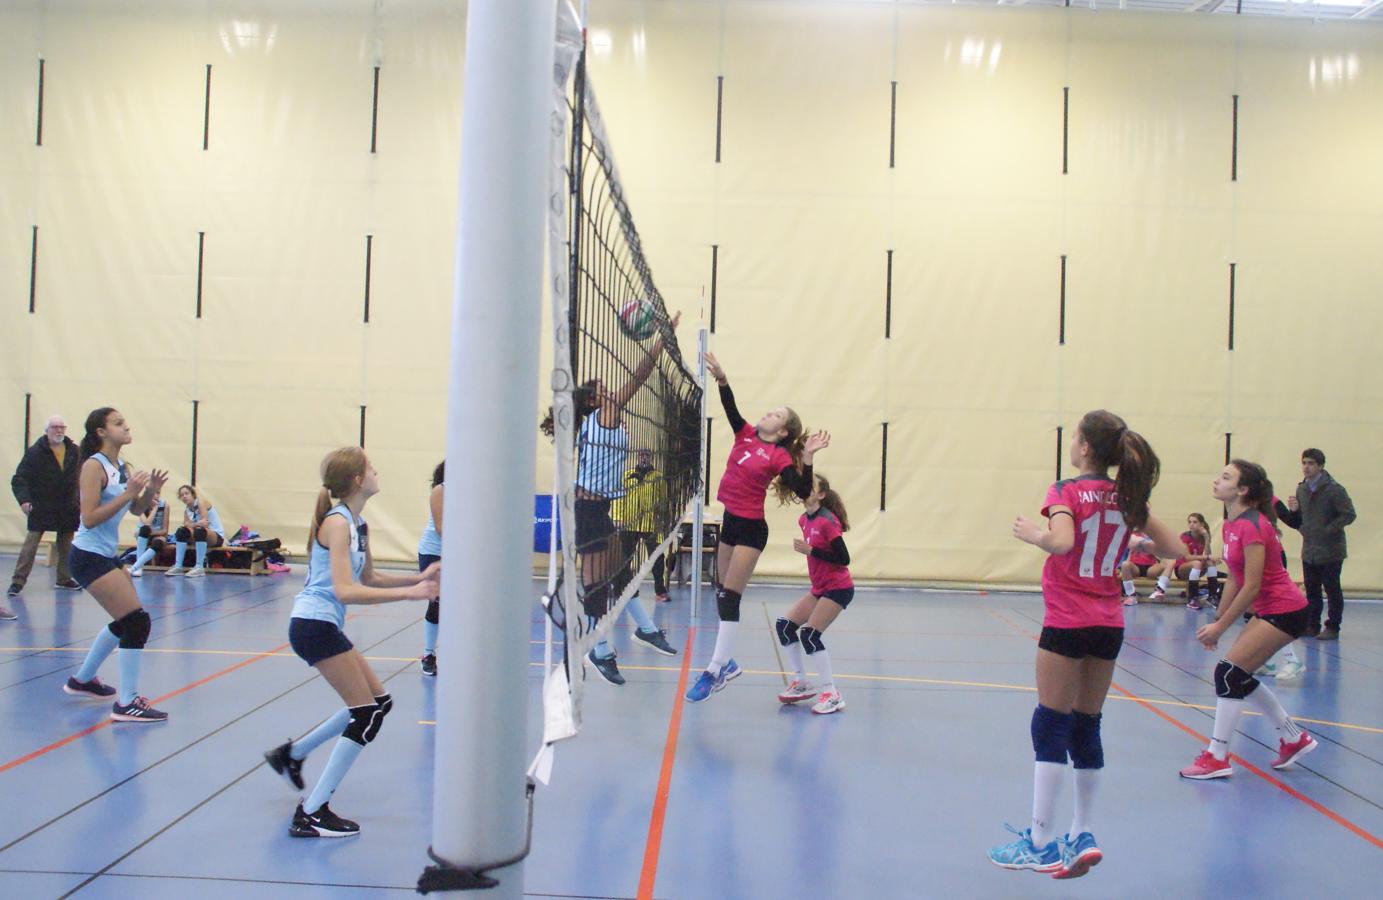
1320	510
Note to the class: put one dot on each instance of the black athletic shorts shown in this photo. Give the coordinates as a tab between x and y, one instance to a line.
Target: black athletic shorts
315	640
1099	641
1291	623
1142	570
425	560
593	523
736	531
841	596
88	567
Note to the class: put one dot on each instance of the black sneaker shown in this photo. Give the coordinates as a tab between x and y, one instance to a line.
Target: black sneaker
430	664
282	762
607	667
657	640
322	823
92	688
137	711
14	590
69	584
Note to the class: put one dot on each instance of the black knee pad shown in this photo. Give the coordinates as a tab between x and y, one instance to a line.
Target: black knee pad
199	534
117	627
145	531
434	610
385	702
1232	682
787	631
1087	749
183	535
596	601
728	605
364	724
134	630
1051	734
811	640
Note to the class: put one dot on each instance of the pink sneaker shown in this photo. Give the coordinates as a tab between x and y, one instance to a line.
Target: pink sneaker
798	690
1131	600
1207	766
1157	594
1290	753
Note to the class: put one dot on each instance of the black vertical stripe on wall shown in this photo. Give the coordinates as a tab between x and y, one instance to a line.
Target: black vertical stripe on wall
374	114
1228	449
206	111
1061	308
28	412
1065	124
1232	270
715	267
888	298
720	108
369	259
196	417
1234	142
1239	8
706	487
38	135
892	121
1059	442
33	270
362	426
201	257
883	472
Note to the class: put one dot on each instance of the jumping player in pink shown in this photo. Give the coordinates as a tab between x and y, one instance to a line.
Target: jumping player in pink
774	453
1088	523
1257	579
828	559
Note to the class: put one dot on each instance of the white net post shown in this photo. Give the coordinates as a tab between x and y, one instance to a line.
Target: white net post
480	813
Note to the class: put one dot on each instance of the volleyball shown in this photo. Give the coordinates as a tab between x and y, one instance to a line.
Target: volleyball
638	319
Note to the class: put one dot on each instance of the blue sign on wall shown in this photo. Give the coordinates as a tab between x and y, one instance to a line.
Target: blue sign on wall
542	524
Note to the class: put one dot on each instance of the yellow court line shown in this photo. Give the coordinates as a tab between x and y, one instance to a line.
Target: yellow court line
900	679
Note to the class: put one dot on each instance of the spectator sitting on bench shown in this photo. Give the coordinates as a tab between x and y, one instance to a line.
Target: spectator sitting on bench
201	523
152	536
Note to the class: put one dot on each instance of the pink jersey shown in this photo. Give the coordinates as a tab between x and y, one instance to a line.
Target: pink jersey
1277	593
752	466
1194	546
820	531
1081	587
1137	557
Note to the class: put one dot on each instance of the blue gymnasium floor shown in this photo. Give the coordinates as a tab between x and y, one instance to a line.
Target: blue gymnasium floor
897	797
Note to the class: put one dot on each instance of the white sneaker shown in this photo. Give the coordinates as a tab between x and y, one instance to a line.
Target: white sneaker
196	572
828	702
798	690
1268	669
1290	671
175	570
136	571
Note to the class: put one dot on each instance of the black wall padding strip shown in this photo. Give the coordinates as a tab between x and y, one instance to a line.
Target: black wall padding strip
720	107
38	136
362	426
369	261
892	122
715	271
1233	267
201	257
28	409
206	111
1061	309
888	298
1065	124
883	472
374	114
1234	143
196	421
1059	442
33	269
1228	451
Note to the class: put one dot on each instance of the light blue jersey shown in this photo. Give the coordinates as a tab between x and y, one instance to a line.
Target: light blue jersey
212	516
430	544
601	455
105	538
317	600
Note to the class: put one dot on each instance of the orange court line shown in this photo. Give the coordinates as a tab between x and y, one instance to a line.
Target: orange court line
655	822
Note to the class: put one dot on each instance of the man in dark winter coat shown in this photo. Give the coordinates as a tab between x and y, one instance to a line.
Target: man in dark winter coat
45	484
1320	510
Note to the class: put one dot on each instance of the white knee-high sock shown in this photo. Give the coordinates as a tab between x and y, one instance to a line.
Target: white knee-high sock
1087	783
796	660
1046	789
1227	714
725	645
1266	702
822	658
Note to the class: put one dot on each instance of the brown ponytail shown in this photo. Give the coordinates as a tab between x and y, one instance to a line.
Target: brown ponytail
340	469
91	441
1259	494
794	443
1112	443
831	501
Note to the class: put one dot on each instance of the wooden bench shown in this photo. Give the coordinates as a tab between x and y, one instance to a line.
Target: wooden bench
223	560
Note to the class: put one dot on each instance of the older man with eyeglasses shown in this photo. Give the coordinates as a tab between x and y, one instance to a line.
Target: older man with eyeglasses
45	485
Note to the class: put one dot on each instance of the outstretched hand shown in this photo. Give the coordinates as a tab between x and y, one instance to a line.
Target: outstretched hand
157	479
137	483
819	441
713	366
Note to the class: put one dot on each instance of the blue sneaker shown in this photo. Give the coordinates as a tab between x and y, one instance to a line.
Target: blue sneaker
705	685
728	673
1077	856
1021	854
